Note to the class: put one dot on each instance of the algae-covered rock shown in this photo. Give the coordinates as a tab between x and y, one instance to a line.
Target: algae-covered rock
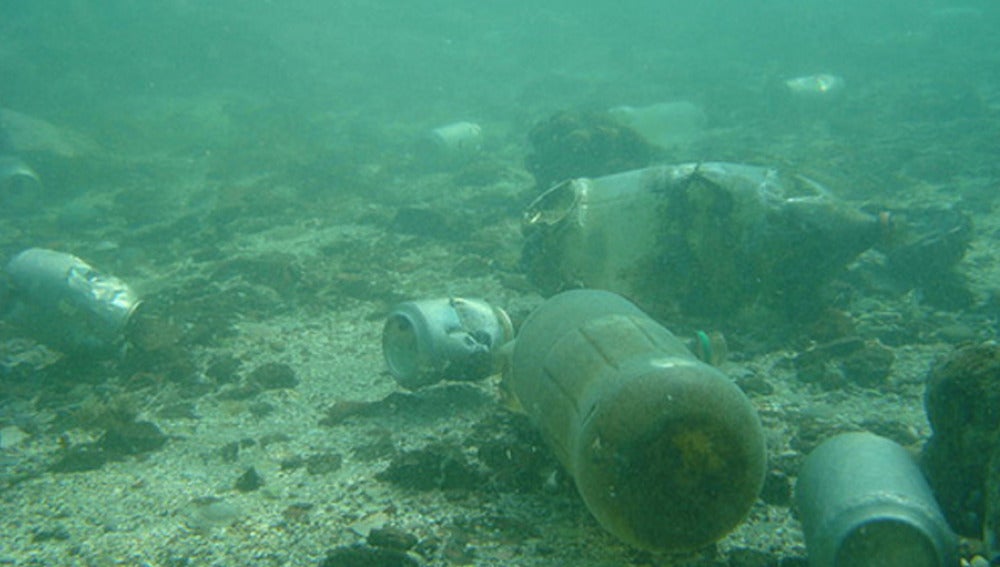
963	407
584	144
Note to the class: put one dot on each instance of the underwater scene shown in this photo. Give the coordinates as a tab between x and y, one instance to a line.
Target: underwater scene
454	283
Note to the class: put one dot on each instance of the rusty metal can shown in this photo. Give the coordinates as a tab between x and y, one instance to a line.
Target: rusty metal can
67	304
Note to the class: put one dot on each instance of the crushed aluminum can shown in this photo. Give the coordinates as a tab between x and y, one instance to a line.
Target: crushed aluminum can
431	340
714	241
822	84
65	303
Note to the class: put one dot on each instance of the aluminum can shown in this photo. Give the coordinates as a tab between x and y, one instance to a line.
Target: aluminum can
821	84
20	187
65	303
669	125
863	502
457	138
431	340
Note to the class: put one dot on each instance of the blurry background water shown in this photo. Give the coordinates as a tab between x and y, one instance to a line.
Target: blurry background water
139	74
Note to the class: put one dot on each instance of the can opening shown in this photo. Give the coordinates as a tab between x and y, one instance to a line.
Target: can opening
553	206
20	190
400	346
887	542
